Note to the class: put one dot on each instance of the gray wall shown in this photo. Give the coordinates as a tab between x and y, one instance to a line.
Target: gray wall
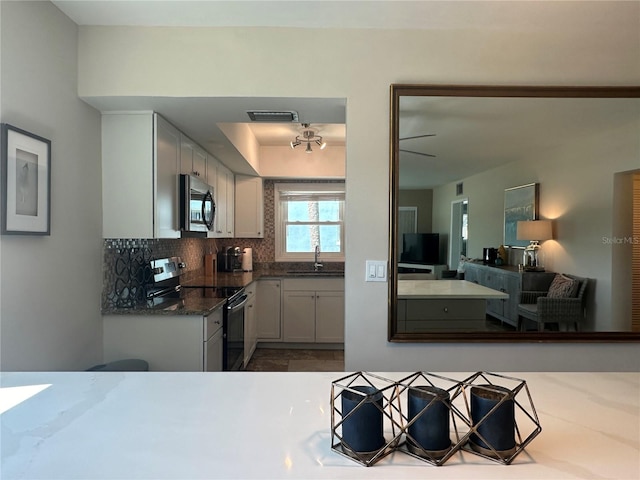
50	286
423	199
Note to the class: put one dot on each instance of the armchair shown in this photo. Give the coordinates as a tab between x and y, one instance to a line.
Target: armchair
538	306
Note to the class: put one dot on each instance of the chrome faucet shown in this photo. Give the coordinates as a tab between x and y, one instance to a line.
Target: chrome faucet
316	264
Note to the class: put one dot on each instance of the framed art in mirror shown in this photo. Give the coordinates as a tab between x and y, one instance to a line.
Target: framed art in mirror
520	204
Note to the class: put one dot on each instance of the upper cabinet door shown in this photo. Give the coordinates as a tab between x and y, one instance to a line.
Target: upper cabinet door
249	216
225	193
186	155
140	166
127	175
167	202
193	159
199	162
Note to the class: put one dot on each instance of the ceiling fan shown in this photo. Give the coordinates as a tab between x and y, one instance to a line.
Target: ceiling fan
413	151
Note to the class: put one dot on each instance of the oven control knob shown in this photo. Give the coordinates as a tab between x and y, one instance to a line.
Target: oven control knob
158	270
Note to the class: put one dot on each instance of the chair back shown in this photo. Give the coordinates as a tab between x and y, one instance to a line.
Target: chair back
537	281
584	282
582	288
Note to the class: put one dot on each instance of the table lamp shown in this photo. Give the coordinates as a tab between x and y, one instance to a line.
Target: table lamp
535	231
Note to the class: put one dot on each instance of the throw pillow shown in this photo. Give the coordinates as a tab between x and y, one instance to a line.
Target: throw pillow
562	287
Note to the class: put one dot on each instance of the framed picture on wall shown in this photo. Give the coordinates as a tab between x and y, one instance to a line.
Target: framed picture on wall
26	182
520	203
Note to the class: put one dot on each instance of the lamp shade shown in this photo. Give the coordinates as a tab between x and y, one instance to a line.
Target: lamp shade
537	230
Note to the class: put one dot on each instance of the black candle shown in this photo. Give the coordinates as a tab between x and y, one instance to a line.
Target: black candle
362	431
498	429
430	431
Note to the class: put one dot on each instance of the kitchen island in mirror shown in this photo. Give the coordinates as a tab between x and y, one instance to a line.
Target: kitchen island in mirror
443	305
456	143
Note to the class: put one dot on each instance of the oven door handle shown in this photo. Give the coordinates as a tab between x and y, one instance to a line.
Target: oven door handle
238	304
164	291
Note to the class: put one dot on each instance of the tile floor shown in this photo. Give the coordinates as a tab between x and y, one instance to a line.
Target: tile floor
296	360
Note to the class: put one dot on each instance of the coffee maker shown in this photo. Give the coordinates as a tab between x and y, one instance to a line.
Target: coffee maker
230	259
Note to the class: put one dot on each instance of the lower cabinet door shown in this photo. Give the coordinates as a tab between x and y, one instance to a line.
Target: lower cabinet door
299	316
213	353
329	317
269	308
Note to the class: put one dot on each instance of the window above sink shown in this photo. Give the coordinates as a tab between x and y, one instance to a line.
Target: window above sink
306	215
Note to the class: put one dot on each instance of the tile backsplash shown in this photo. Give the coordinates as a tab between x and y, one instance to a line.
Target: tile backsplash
125	265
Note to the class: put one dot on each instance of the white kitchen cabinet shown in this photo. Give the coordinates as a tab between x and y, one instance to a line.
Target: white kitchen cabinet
225	201
193	159
313	310
269	310
330	317
250	323
169	343
249	209
299	320
140	167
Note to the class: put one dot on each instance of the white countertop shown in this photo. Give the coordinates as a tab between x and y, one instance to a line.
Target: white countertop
460	289
256	425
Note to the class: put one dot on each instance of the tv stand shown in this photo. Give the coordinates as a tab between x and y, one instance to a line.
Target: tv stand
422	268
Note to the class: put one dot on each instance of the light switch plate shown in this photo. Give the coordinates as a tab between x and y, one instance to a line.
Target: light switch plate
375	271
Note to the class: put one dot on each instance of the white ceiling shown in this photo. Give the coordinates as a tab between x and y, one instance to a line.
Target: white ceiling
199	118
396	14
477	134
461	142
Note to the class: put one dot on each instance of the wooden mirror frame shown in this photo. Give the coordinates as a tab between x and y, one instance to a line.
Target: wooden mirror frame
400	90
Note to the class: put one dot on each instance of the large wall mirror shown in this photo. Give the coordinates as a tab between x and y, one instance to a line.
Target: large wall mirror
474	171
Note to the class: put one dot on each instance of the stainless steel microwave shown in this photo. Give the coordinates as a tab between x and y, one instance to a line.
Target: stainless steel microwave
197	207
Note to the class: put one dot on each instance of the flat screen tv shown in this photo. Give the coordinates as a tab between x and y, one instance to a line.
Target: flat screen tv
421	248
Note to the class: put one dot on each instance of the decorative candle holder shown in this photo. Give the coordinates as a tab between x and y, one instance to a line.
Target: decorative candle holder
361	405
430	419
501	423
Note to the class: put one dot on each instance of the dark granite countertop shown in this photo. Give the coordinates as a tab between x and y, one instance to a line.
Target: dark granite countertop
188	305
242	279
199	298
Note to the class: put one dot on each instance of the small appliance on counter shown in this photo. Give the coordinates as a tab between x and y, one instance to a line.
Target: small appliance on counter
230	259
247	260
489	256
209	265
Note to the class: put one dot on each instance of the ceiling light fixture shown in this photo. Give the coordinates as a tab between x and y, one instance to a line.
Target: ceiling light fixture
309	136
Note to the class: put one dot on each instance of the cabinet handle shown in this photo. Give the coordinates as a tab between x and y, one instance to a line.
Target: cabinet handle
446	309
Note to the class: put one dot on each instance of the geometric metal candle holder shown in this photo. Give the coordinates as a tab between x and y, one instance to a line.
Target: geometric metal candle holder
500	414
486	414
429	419
363	407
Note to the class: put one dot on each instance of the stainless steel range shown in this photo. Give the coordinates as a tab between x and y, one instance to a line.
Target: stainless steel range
167	292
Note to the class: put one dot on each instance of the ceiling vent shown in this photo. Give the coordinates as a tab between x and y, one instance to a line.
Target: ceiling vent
272	116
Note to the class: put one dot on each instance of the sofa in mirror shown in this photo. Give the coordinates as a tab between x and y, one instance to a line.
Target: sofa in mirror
460	157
